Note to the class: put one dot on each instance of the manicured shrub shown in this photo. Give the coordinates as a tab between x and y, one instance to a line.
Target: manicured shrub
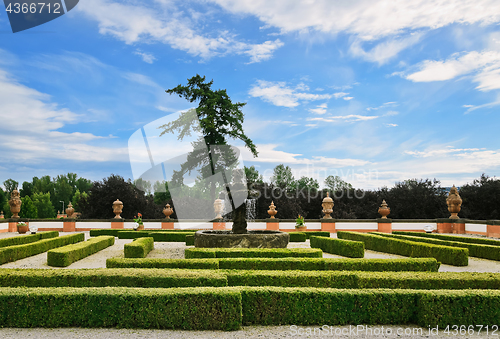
471	240
101	277
346	248
382	265
297	236
132	234
13	253
26	239
475	250
190	240
99	232
278	264
139	248
66	255
310	234
201	308
444	254
252	253
211	264
168	236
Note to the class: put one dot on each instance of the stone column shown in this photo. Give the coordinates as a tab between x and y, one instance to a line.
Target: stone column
69	225
384	225
443	226
493	228
219	224
328	225
117	224
167	225
272	224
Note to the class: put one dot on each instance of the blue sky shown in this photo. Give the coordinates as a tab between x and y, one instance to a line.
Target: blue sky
373	91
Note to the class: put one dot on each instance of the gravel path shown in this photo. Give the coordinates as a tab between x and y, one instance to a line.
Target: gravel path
176	251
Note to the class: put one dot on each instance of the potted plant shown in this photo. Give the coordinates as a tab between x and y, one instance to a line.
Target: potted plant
299	224
22	227
139	225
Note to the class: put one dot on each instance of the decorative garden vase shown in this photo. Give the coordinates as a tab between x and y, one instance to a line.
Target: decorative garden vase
70	210
383	210
218	208
15	204
272	210
327	206
454	203
168	211
117	208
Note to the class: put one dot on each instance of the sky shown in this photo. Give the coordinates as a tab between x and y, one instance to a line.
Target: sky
373	91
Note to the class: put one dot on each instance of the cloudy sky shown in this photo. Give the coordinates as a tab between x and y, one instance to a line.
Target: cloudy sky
373	91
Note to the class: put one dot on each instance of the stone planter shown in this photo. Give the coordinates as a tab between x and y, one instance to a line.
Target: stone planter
251	239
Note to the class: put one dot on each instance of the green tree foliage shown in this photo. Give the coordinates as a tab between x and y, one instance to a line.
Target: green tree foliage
481	199
76	199
26	189
162	194
253	175
10	185
217	118
99	203
43	205
306	184
63	191
335	183
83	185
3	199
28	208
283	177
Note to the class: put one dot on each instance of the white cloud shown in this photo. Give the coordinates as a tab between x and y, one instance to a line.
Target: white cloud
30	129
384	105
340	94
484	65
344	118
320	109
367	19
146	57
145	22
141	79
348	98
488	105
391	125
279	94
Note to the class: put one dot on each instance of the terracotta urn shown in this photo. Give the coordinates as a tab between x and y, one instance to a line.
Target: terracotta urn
218	208
2	216
22	228
168	211
454	203
117	208
15	204
272	210
327	206
383	210
70	210
301	229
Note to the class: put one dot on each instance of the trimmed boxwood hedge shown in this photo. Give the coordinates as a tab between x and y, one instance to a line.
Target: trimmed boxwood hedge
306	264
205	308
139	248
13	253
101	277
99	232
470	240
346	248
444	254
66	255
297	236
26	239
475	250
210	264
159	236
190	240
252	253
310	234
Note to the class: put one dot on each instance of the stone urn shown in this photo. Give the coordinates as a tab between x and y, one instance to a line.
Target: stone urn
383	210
218	208
168	211
2	216
117	208
454	203
70	210
272	210
327	206
22	228
15	204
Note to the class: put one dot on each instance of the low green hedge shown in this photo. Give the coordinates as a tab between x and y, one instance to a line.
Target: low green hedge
227	308
26	239
381	265
99	232
101	277
168	236
470	240
252	253
475	250
132	234
317	306
173	308
190	240
297	236
66	255
346	248
13	253
306	264
444	254
115	232
210	264
139	248
310	234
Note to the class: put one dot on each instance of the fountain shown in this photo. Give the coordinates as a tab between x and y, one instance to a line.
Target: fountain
239	236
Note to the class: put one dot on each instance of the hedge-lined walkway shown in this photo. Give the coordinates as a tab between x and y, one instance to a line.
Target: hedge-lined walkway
175	250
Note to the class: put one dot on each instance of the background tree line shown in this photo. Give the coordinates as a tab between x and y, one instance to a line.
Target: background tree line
408	199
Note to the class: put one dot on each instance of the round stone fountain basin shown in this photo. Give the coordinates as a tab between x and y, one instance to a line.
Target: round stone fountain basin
251	239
